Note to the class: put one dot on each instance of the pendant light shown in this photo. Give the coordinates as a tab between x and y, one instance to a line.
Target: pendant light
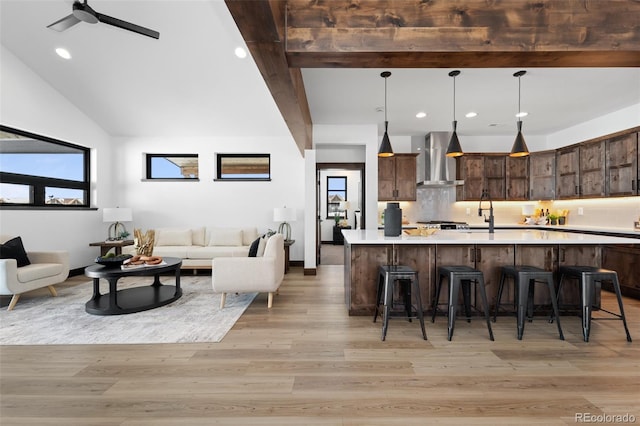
454	149
519	146
385	146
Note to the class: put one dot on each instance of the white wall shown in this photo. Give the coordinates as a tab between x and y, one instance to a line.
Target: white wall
207	202
29	103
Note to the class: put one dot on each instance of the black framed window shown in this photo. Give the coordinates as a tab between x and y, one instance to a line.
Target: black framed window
172	166
234	167
39	171
336	192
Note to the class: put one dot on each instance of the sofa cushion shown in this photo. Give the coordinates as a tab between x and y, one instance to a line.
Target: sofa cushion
171	251
197	236
211	252
225	237
173	237
261	245
13	249
249	235
36	271
253	248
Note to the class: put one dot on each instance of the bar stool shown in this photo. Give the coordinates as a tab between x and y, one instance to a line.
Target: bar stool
388	277
587	276
524	278
460	276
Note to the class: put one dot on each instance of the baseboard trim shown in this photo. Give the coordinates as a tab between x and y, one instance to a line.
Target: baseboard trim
309	271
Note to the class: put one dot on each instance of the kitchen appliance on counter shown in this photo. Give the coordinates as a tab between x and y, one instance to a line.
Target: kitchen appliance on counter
444	224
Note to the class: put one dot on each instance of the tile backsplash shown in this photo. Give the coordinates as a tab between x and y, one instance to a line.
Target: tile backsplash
441	204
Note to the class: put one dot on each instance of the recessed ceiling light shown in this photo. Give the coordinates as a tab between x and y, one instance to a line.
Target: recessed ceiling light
63	53
240	52
522	114
421	114
471	114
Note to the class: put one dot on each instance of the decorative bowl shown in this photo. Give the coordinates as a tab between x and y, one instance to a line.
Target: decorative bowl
113	261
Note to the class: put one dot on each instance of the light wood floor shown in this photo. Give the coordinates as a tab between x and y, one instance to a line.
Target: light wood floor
306	362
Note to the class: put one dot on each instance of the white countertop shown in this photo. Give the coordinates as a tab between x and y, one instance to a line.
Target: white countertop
585	228
482	236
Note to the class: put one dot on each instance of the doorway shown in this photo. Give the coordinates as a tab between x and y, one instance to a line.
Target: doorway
340	203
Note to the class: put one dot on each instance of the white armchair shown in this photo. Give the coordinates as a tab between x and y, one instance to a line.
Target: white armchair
46	269
250	274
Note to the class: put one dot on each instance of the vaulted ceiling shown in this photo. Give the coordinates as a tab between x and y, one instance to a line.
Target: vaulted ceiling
285	36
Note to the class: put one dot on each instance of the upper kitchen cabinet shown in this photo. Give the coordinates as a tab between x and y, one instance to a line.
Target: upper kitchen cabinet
397	178
622	156
542	182
568	172
592	170
517	178
481	172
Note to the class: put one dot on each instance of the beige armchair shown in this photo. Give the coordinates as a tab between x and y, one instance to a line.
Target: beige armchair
46	269
250	274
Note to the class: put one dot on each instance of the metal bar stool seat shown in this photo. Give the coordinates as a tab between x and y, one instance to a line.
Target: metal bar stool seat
587	276
407	278
524	277
460	276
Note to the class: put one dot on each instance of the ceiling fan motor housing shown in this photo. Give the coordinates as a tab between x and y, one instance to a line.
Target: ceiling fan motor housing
84	12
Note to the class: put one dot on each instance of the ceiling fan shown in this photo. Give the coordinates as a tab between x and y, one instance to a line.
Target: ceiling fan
83	12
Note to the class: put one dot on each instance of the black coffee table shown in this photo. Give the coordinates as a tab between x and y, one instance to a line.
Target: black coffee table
135	299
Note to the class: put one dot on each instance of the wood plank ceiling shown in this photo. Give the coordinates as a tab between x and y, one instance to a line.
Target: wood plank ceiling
287	35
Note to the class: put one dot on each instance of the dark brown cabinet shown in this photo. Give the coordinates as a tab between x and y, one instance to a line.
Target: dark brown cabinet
481	172
542	181
568	172
625	260
622	157
592	169
517	182
397	178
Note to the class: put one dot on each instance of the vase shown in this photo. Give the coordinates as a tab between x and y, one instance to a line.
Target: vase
392	220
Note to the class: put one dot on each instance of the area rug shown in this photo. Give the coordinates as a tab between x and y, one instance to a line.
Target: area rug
195	317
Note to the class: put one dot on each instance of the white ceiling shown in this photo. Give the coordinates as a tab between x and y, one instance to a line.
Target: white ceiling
189	83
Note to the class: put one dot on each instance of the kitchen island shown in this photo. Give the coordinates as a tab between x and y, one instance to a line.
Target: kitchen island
365	250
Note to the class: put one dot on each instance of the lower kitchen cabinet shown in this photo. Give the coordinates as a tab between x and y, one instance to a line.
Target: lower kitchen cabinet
625	260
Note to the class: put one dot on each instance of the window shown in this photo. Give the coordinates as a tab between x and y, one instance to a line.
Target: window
243	167
38	171
336	192
172	166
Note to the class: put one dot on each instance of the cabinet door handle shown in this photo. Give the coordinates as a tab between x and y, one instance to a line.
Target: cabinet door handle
479	255
472	254
577	190
562	255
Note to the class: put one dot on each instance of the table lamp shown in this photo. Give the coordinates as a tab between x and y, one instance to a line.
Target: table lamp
284	215
117	230
344	206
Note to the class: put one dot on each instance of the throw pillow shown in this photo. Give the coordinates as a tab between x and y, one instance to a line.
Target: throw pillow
262	245
13	249
253	249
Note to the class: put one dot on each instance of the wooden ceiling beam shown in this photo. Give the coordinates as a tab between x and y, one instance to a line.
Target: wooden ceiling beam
287	35
261	24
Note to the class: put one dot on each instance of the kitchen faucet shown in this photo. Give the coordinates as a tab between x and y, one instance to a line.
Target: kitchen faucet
485	196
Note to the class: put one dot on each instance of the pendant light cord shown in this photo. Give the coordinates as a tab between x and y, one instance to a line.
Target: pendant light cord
385	99
519	109
454	98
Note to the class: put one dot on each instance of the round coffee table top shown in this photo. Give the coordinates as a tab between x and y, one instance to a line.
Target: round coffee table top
101	271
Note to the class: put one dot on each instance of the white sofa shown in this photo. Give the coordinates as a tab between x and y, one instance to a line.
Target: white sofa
197	247
250	274
46	269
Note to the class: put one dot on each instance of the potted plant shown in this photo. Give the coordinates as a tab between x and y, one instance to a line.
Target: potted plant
553	219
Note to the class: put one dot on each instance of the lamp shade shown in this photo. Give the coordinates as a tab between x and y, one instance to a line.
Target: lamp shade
454	149
284	214
117	214
519	146
345	205
385	146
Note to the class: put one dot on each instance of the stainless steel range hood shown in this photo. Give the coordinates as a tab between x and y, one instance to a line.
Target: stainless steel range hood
435	169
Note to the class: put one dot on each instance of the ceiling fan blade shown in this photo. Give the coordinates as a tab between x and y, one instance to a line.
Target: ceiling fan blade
64	23
127	26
